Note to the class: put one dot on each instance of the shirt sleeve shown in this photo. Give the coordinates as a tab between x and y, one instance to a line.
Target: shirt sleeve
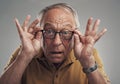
13	57
100	65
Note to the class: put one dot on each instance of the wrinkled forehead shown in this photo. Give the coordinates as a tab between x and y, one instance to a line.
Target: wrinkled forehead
58	16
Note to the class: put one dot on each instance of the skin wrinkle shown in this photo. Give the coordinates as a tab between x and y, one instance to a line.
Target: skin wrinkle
60	17
56	50
58	21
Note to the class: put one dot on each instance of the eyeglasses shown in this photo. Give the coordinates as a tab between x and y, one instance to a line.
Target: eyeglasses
64	34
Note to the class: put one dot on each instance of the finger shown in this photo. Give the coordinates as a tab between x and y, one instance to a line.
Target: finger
38	35
81	37
36	29
78	32
25	24
100	34
76	39
96	24
19	28
88	25
33	25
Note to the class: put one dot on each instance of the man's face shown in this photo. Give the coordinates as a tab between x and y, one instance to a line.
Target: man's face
57	49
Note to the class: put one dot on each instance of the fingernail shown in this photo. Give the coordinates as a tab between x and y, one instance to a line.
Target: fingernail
29	15
91	18
105	29
15	19
98	20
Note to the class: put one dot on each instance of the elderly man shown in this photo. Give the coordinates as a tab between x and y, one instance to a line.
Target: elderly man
56	52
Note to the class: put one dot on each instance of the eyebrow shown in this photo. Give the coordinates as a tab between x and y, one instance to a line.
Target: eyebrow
48	25
51	25
68	25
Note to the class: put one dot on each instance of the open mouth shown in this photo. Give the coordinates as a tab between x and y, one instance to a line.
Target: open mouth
56	56
56	52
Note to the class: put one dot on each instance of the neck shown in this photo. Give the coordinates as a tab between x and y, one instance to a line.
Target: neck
57	65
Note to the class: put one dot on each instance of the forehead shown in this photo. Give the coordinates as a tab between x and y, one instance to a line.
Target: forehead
59	16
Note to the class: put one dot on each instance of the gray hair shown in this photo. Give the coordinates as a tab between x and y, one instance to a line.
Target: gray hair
60	5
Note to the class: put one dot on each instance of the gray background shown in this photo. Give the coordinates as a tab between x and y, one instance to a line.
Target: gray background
106	10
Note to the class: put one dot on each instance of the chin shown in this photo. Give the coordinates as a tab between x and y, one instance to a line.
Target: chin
57	60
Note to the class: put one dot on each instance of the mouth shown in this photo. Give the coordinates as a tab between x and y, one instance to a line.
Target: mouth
56	56
56	52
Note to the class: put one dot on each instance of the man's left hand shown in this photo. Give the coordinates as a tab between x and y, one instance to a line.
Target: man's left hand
84	44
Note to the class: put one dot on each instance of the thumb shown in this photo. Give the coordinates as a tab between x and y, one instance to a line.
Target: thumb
77	46
76	40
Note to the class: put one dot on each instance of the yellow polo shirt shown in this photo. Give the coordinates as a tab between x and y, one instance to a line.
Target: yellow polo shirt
40	71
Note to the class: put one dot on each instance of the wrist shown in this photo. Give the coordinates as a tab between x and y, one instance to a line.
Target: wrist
90	69
87	61
25	57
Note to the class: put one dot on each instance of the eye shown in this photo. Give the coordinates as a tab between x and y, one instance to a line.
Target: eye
66	33
49	31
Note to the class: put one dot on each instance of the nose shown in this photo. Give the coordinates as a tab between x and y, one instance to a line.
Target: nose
57	40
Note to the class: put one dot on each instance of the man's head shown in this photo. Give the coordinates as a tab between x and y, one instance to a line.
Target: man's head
58	22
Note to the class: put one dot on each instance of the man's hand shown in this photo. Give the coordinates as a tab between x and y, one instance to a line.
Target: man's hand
84	44
30	37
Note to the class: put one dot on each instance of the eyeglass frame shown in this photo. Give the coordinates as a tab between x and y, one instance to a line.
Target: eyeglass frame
60	34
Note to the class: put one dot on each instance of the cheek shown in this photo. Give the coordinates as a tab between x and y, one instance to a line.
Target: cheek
47	44
68	45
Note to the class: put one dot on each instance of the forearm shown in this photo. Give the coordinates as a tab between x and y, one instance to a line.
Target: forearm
96	77
14	72
92	71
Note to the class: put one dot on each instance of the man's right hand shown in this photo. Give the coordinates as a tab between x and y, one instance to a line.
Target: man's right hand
30	37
